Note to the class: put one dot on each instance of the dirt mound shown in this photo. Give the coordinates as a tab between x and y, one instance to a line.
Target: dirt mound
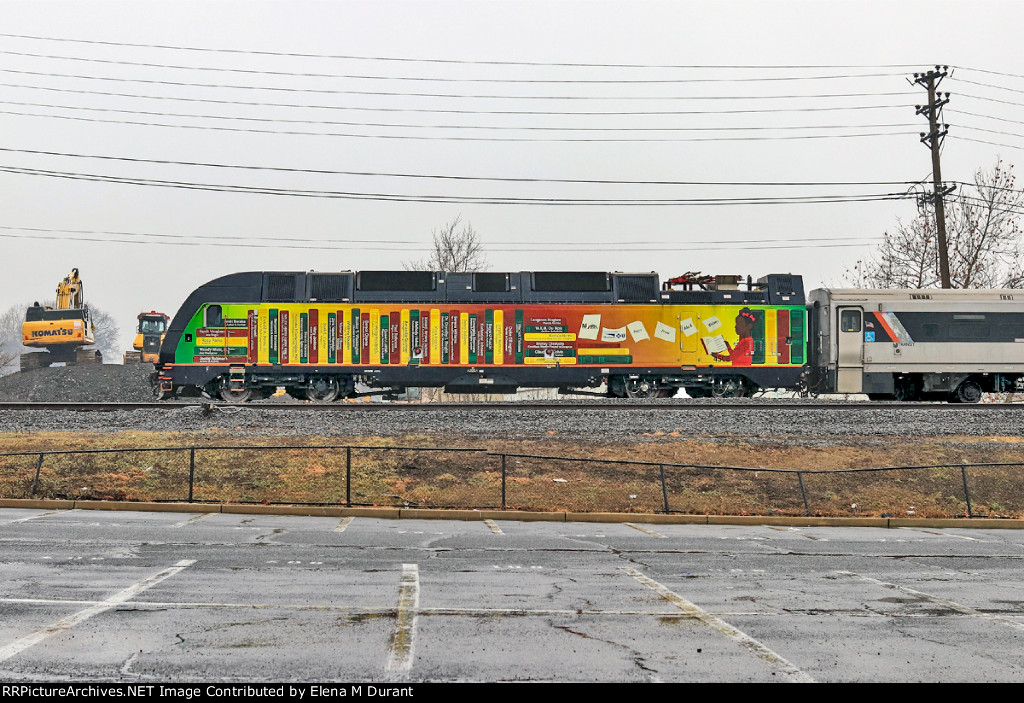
85	383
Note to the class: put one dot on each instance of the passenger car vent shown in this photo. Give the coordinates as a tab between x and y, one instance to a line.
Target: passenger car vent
920	296
280	288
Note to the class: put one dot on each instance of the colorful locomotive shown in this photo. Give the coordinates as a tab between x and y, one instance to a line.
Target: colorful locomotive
319	334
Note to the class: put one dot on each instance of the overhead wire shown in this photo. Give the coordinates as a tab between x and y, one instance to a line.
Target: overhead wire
437	79
459	96
462	136
465	138
284	120
250	52
574	113
438	176
393	197
50	234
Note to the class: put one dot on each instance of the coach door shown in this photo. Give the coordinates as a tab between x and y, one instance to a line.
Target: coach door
850	344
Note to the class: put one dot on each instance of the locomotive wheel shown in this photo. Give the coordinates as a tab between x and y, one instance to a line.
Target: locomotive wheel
640	388
323	389
967	392
907	390
229	395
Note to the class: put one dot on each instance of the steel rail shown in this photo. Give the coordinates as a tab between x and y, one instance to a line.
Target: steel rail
661	405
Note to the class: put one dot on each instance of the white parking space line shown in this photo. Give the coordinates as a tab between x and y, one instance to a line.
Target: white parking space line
403	640
128	664
644	529
966	610
194	518
345	522
789	670
8	651
494	527
31	517
796	531
372	610
941	534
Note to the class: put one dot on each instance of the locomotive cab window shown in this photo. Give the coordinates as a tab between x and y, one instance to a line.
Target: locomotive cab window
849	321
214	316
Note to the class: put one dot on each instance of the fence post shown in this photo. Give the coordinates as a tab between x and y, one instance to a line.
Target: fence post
664	490
39	467
967	494
191	472
803	492
502	481
348	476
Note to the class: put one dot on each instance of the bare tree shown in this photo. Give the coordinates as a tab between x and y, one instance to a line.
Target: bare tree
108	333
10	339
455	248
906	258
983	236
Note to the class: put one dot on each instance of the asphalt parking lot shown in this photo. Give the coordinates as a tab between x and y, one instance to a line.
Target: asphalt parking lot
92	595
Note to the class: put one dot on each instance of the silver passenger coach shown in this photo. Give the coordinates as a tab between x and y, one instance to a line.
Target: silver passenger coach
916	344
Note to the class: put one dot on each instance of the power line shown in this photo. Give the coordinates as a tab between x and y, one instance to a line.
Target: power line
525	128
531	246
325	91
990	131
985	141
434	79
395	197
990	85
986	117
464	138
45	234
573	113
440	61
990	100
453	177
994	73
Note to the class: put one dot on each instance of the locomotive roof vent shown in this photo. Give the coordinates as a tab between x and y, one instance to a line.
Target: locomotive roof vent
281	287
330	287
636	288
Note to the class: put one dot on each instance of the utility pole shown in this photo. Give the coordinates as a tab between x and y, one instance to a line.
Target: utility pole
933	140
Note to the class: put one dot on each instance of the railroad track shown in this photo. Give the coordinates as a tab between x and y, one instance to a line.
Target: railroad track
359	407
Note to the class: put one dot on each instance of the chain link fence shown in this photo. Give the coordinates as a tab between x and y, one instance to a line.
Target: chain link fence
459	477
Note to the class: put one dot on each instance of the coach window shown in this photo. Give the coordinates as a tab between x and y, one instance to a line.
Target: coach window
214	316
849	321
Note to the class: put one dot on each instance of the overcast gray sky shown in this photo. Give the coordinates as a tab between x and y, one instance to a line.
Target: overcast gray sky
549	126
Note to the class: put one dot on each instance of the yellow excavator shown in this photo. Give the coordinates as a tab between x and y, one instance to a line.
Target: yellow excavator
61	331
149	335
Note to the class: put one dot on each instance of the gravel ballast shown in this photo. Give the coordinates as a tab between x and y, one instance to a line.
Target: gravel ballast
663	420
